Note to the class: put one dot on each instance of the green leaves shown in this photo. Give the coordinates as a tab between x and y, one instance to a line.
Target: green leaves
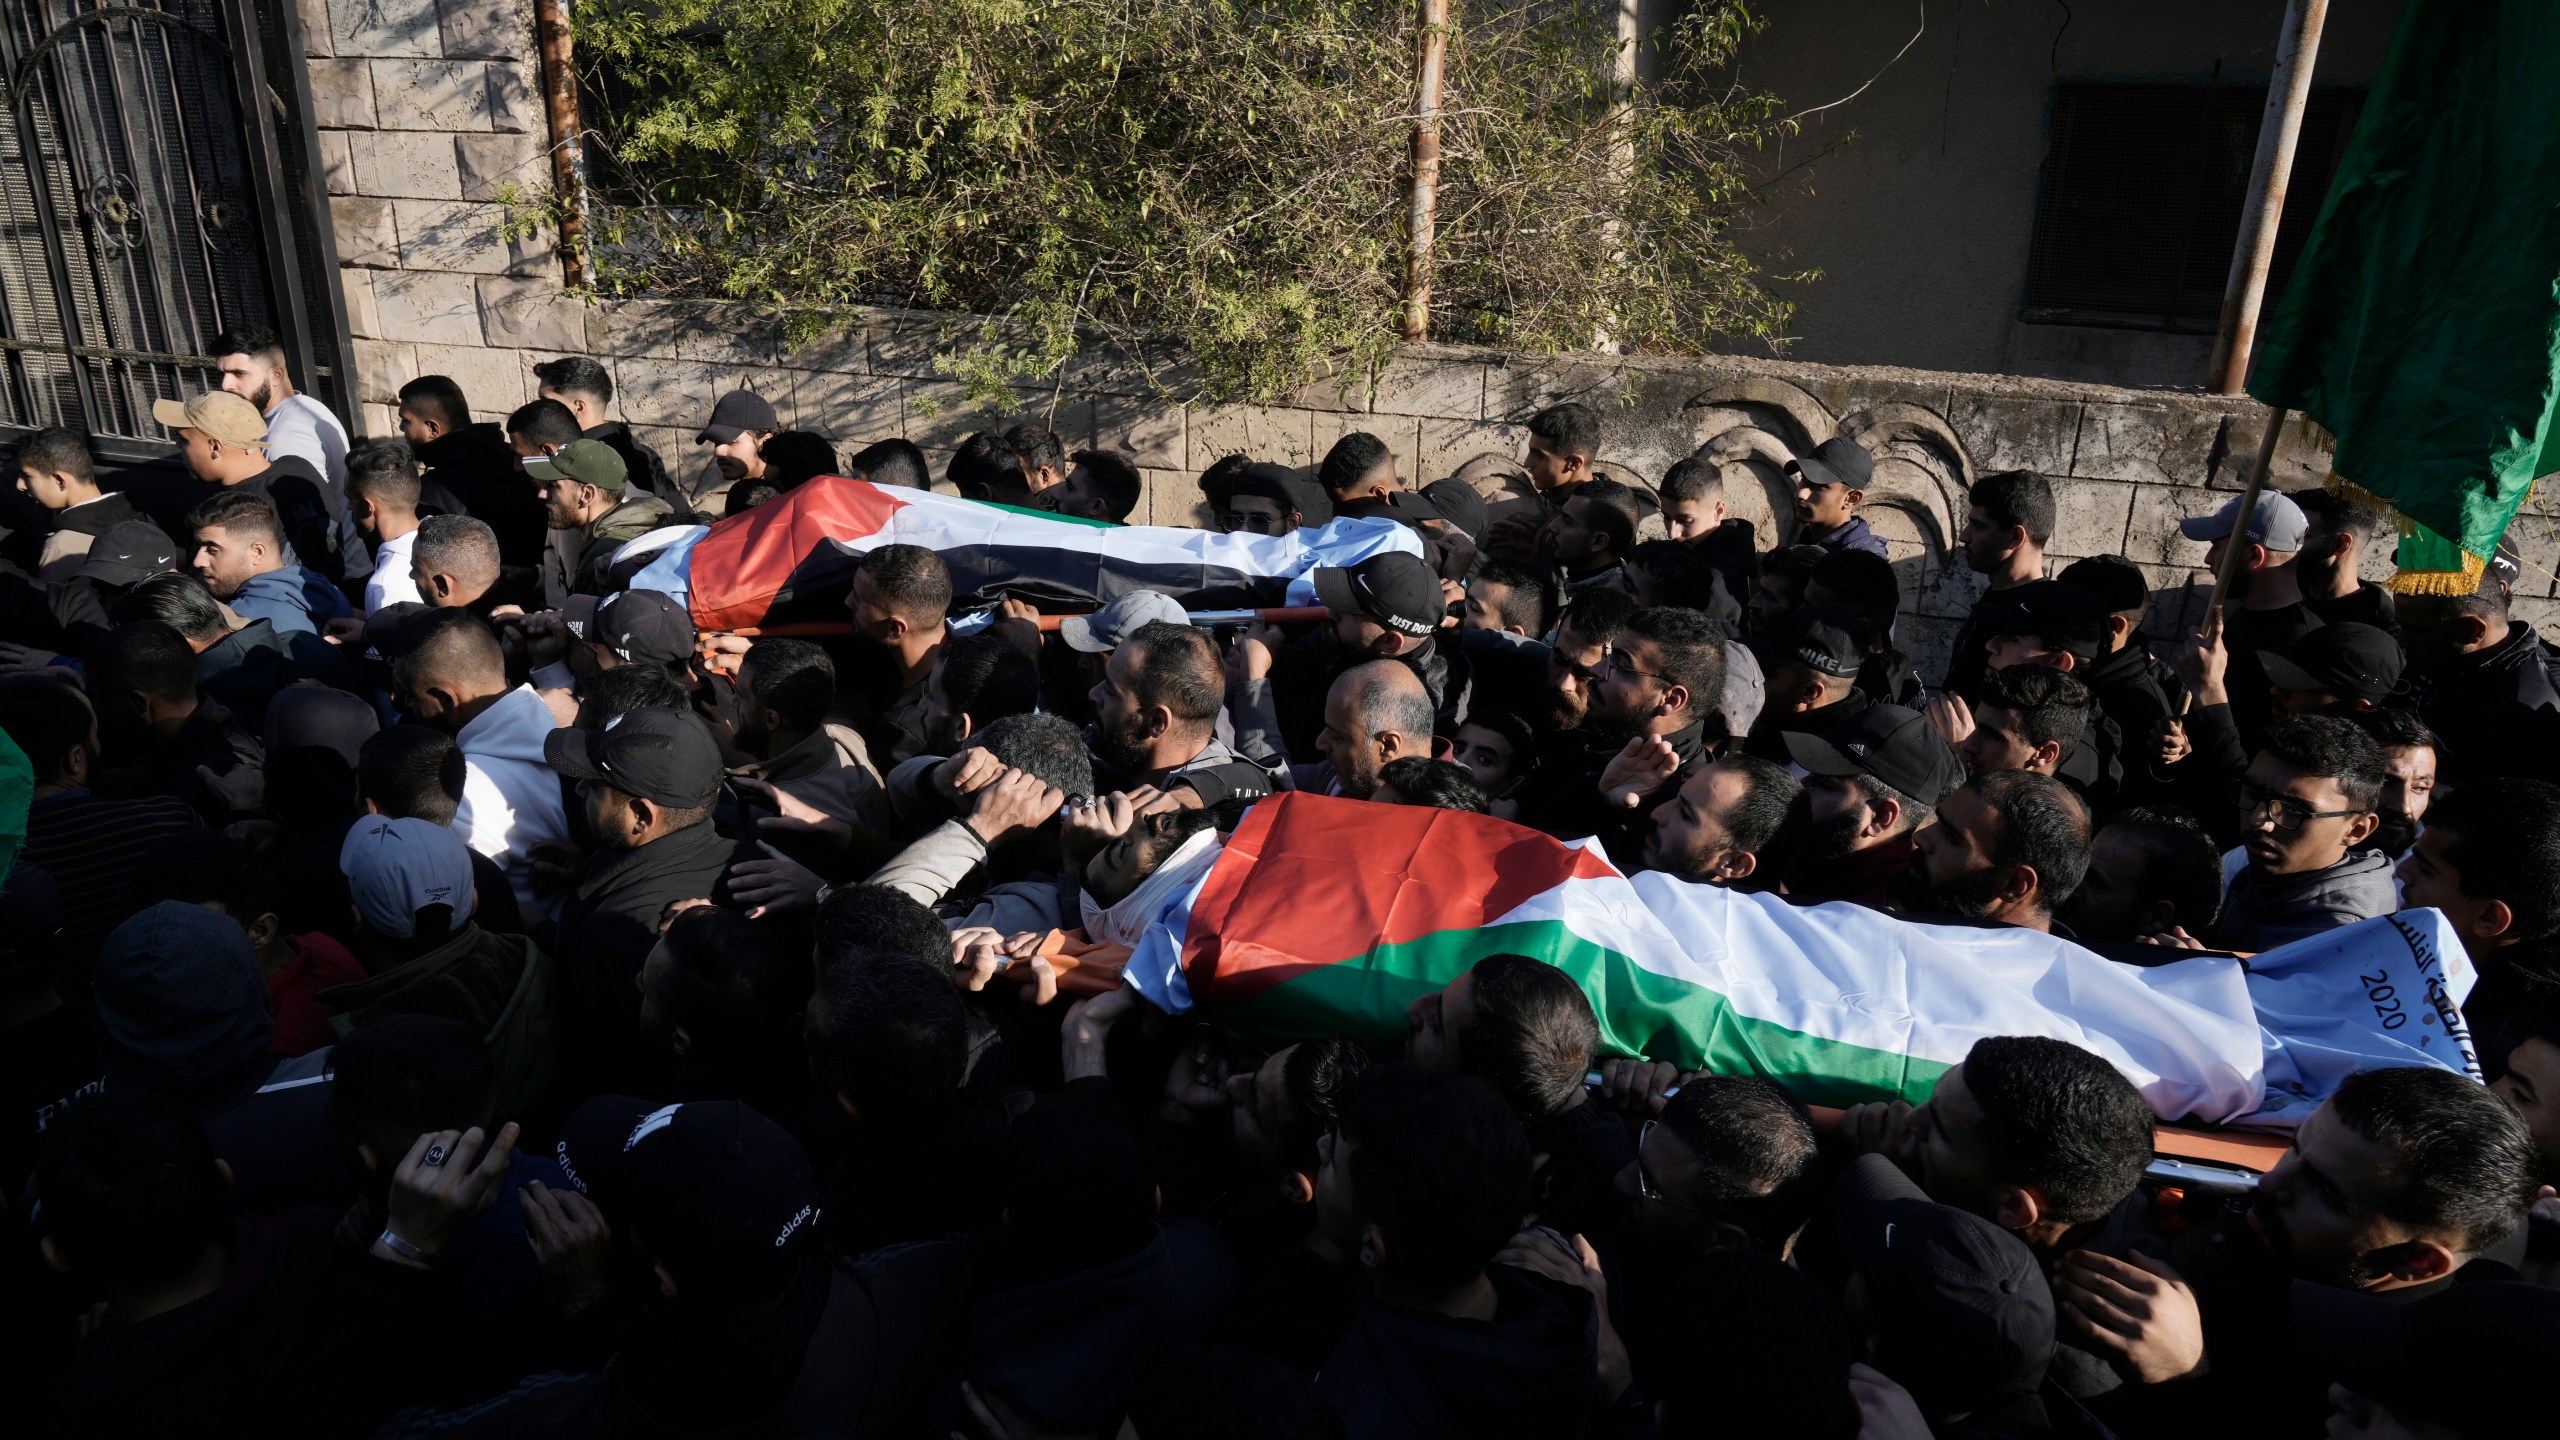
1228	178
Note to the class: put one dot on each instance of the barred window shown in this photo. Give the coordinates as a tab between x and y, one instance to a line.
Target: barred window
2142	189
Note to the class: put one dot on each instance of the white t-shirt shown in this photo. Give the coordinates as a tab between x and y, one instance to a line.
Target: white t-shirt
391	582
300	425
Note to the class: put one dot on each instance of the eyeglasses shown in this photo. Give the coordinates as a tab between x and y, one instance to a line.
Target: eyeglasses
2287	813
1609	662
1644	1178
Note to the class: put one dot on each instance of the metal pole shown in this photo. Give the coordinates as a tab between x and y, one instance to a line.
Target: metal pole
1431	50
2297	52
2238	544
568	147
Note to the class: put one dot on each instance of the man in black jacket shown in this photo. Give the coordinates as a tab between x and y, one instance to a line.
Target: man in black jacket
474	464
2481	684
587	389
648	782
2131	684
54	470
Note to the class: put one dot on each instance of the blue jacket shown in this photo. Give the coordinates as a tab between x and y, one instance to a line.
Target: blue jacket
290	599
1853	536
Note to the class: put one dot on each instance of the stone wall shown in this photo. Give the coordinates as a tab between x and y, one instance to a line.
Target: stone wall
429	111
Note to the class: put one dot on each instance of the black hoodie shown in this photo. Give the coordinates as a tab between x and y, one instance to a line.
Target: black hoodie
2489	707
478	467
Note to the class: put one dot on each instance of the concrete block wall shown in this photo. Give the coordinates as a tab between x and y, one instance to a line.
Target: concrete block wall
429	110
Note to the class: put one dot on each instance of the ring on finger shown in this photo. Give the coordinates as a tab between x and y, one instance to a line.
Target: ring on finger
434	1156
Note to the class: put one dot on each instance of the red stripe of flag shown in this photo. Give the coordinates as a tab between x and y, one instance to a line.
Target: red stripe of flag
746	560
1351	875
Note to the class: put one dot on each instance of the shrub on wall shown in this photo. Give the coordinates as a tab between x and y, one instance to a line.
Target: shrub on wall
1231	178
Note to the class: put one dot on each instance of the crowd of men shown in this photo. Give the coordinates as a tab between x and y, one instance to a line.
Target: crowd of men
444	993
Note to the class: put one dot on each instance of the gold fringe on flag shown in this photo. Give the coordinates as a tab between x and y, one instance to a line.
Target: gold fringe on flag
2465	581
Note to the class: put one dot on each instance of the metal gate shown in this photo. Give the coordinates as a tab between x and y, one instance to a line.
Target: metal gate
156	189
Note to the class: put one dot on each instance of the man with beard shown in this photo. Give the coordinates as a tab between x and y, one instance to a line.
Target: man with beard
1566	755
582	489
2008	847
2479	678
1155	719
1659	683
740	425
2332	562
2150	872
2008	518
1374	714
2269	614
2408	776
253	368
901	606
1729	825
1811	660
2401	1184
1779	590
1590	535
1869	785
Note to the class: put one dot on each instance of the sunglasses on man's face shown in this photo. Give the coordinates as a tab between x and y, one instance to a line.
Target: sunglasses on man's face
2288	814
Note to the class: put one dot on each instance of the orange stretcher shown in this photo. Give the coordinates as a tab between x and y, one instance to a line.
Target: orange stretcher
2184	1156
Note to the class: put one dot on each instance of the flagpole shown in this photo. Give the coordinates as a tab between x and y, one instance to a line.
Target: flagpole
2248	511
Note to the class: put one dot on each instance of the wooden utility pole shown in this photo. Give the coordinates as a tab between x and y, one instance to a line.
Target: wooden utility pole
551	27
1430	55
2297	50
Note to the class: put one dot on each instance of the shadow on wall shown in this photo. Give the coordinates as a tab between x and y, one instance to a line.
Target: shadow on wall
1752	426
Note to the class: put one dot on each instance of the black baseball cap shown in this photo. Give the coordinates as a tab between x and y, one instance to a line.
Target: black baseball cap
1459	504
1395	589
722	1196
2113	581
739	411
638	625
655	752
1823	638
2064	617
2471	1356
128	553
1964	1314
1260	480
1836	461
1890	742
2357	661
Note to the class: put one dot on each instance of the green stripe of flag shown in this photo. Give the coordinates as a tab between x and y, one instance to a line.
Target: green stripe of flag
1641	1013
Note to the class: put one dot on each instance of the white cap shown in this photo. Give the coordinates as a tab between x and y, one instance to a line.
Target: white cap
1104	629
2277	523
395	868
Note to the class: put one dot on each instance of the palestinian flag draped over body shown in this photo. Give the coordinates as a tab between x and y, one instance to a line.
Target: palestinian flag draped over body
792	558
2421	325
1327	915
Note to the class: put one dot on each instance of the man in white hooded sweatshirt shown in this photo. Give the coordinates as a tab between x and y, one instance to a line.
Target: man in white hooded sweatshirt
453	676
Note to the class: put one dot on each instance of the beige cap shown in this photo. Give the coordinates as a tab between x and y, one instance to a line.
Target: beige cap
226	417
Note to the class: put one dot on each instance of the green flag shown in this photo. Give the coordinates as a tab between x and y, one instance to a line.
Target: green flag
2422	323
